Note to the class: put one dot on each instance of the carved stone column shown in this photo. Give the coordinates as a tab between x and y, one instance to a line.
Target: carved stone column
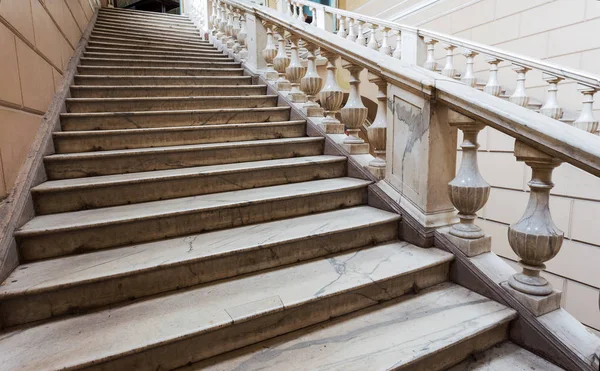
294	72
228	37
448	69
311	84
377	132
535	238
520	96
373	44
331	96
385	47
586	120
469	76
341	29
430	63
213	18
493	86
242	36
354	113
551	107
269	53
398	49
351	32
360	37
234	44
281	62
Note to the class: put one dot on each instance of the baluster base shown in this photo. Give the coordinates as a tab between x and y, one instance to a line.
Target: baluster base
297	97
470	247
356	148
313	110
377	171
537	305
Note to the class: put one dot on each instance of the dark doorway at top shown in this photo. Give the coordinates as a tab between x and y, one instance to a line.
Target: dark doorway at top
161	6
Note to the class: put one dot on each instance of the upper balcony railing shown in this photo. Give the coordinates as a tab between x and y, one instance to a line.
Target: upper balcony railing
419	110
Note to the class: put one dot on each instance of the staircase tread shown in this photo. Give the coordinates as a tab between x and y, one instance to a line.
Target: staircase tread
68	271
102	87
187	147
393	335
74	220
116	332
162	68
114	180
145	99
173	112
503	357
84	59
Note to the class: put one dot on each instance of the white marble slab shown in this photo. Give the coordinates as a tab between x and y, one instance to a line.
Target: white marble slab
506	357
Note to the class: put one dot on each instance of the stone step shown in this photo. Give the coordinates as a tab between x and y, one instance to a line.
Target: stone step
148	62
78	165
156	119
106	140
55	235
139	91
82	105
141	13
146	21
194	324
100	31
151	43
506	356
123	189
172	53
207	57
432	330
56	287
192	35
148	47
141	26
159	71
120	80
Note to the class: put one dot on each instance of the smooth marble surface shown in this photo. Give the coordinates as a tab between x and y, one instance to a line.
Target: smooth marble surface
107	334
391	336
505	357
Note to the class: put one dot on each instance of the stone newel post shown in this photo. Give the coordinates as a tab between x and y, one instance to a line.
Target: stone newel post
311	84
331	96
354	112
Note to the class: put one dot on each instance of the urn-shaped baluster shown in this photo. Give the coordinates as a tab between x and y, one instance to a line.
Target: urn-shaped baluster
354	112
331	96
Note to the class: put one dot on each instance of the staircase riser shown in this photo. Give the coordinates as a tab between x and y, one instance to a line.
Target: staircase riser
170	120
118	71
142	13
272	323
207	58
115	290
90	143
171	104
108	32
147	80
108	27
152	63
112	49
151	43
162	160
47	245
150	22
116	92
148	47
445	358
147	26
154	190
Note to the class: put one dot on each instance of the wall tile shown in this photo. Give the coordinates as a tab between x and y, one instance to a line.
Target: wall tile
58	78
71	29
592	9
85	5
56	10
577	261
479	13
571	181
497	31
582	303
508	7
47	36
536	20
3	191
574	38
10	86
66	52
586	215
17	131
499	234
36	78
509	175
498	141
18	14
589	60
78	14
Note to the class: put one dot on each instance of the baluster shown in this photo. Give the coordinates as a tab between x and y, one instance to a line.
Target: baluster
385	46
551	107
294	72
468	191
535	238
242	36
373	44
226	27
311	84
430	63
360	38
221	21
377	132
493	86
520	96
398	49
341	30
351	32
448	69
331	96
354	113
281	62
233	43
213	18
300	12
269	54
313	21
586	120
469	77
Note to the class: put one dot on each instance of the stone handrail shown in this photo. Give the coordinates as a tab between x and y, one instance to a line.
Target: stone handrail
553	74
420	111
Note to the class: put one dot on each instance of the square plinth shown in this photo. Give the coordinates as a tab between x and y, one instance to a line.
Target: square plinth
297	97
357	149
470	247
333	128
313	111
538	305
377	171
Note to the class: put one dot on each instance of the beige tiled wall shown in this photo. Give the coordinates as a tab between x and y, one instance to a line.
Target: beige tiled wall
37	38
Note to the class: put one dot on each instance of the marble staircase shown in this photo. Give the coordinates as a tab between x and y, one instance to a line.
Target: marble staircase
188	220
